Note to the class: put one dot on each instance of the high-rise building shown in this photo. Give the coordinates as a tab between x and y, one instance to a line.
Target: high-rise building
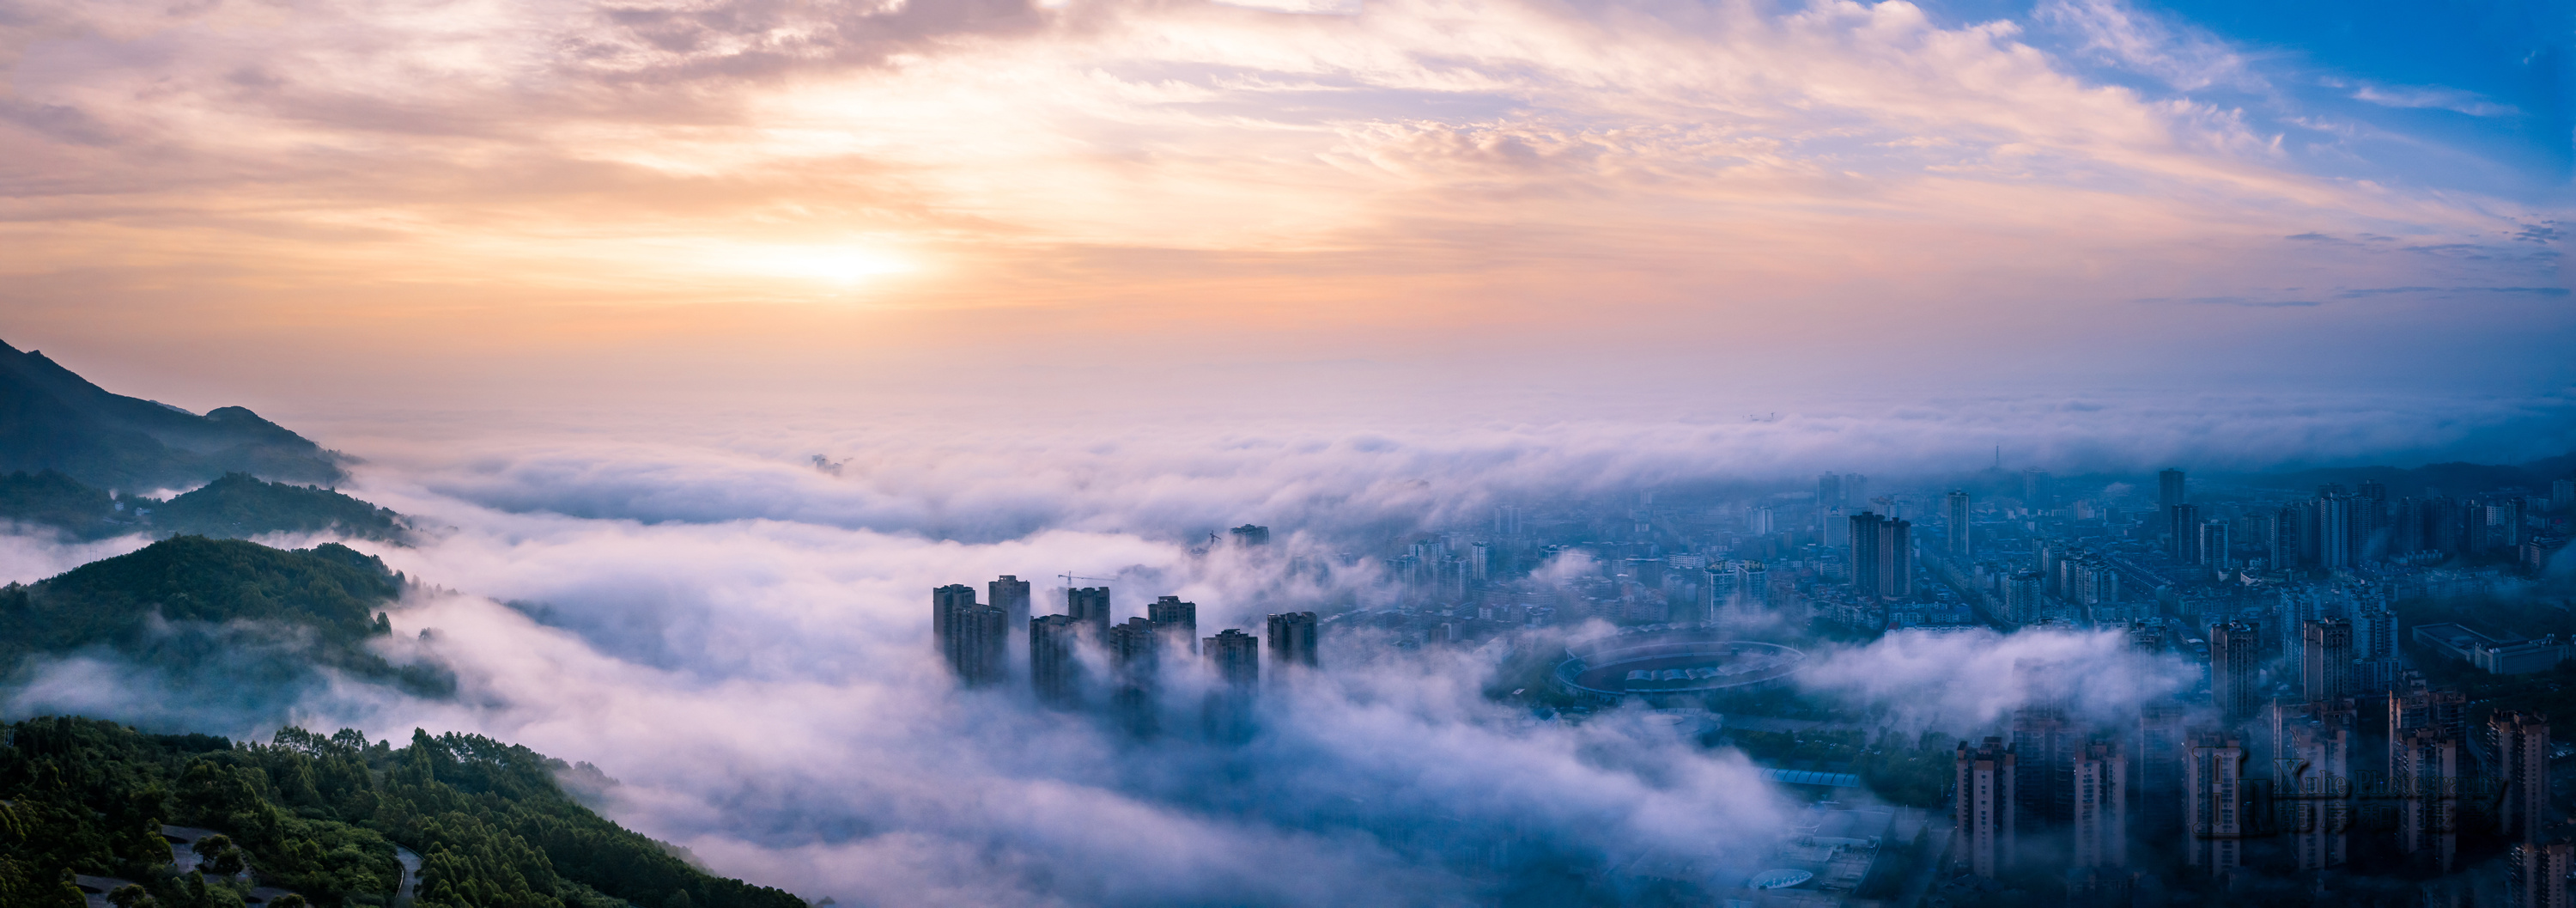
1753	584
2101	805
2326	659
2441	517
2374	632
1236	657
971	638
2235	665
2038	490
1134	653
1895	551
1010	594
1090	606
2281	545
2214	802
2159	760
2519	743
2170	495
1135	659
1981	815
1133	648
1055	663
2562	495
2051	551
1177	621
2091	582
2043	744
1960	546
2446	712
1829	490
2310	547
2424	767
2212	546
2335	530
2022	600
1864	552
1717	592
2478	531
2370	531
2183	532
1480	560
945	604
2406	535
1250	535
1292	641
2540	874
2317	756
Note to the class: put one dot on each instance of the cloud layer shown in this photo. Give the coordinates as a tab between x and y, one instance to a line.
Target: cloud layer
740	641
1596	194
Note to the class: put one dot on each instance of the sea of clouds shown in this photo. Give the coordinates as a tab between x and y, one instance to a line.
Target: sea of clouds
740	638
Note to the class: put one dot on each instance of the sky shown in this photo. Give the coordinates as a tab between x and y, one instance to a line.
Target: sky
1524	208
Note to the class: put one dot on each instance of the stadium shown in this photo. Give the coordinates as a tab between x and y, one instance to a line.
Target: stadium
1665	661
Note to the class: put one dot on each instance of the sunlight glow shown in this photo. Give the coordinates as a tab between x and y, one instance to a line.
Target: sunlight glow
843	266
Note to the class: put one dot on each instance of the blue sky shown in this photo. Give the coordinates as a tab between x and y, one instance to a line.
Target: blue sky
2472	96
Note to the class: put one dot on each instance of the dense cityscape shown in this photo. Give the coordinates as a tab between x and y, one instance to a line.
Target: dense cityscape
2366	721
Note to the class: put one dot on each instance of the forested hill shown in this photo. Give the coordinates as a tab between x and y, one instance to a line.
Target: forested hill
243	616
240	505
53	419
237	505
321	816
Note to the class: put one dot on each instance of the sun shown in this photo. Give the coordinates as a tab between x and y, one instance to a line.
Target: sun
842	266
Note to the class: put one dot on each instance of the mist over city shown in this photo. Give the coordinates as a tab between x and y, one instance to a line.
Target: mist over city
748	454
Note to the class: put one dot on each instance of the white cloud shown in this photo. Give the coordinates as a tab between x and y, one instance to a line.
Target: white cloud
2436	97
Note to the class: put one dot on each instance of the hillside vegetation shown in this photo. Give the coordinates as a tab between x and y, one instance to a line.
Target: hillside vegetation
321	816
228	610
234	506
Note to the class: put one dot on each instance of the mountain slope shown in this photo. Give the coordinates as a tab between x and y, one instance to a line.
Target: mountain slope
240	505
52	419
223	616
51	499
236	506
320	816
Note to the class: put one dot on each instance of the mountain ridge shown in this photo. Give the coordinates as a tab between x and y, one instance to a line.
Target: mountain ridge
53	419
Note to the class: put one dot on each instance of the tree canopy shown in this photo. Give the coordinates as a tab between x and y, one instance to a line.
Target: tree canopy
320	815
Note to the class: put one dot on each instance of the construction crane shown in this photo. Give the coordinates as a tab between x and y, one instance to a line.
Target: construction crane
1069	578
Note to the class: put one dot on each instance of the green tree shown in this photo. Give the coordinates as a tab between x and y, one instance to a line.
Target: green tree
131	895
216	855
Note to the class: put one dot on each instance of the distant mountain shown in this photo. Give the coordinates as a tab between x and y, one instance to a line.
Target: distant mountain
239	505
226	617
52	419
236	506
51	499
